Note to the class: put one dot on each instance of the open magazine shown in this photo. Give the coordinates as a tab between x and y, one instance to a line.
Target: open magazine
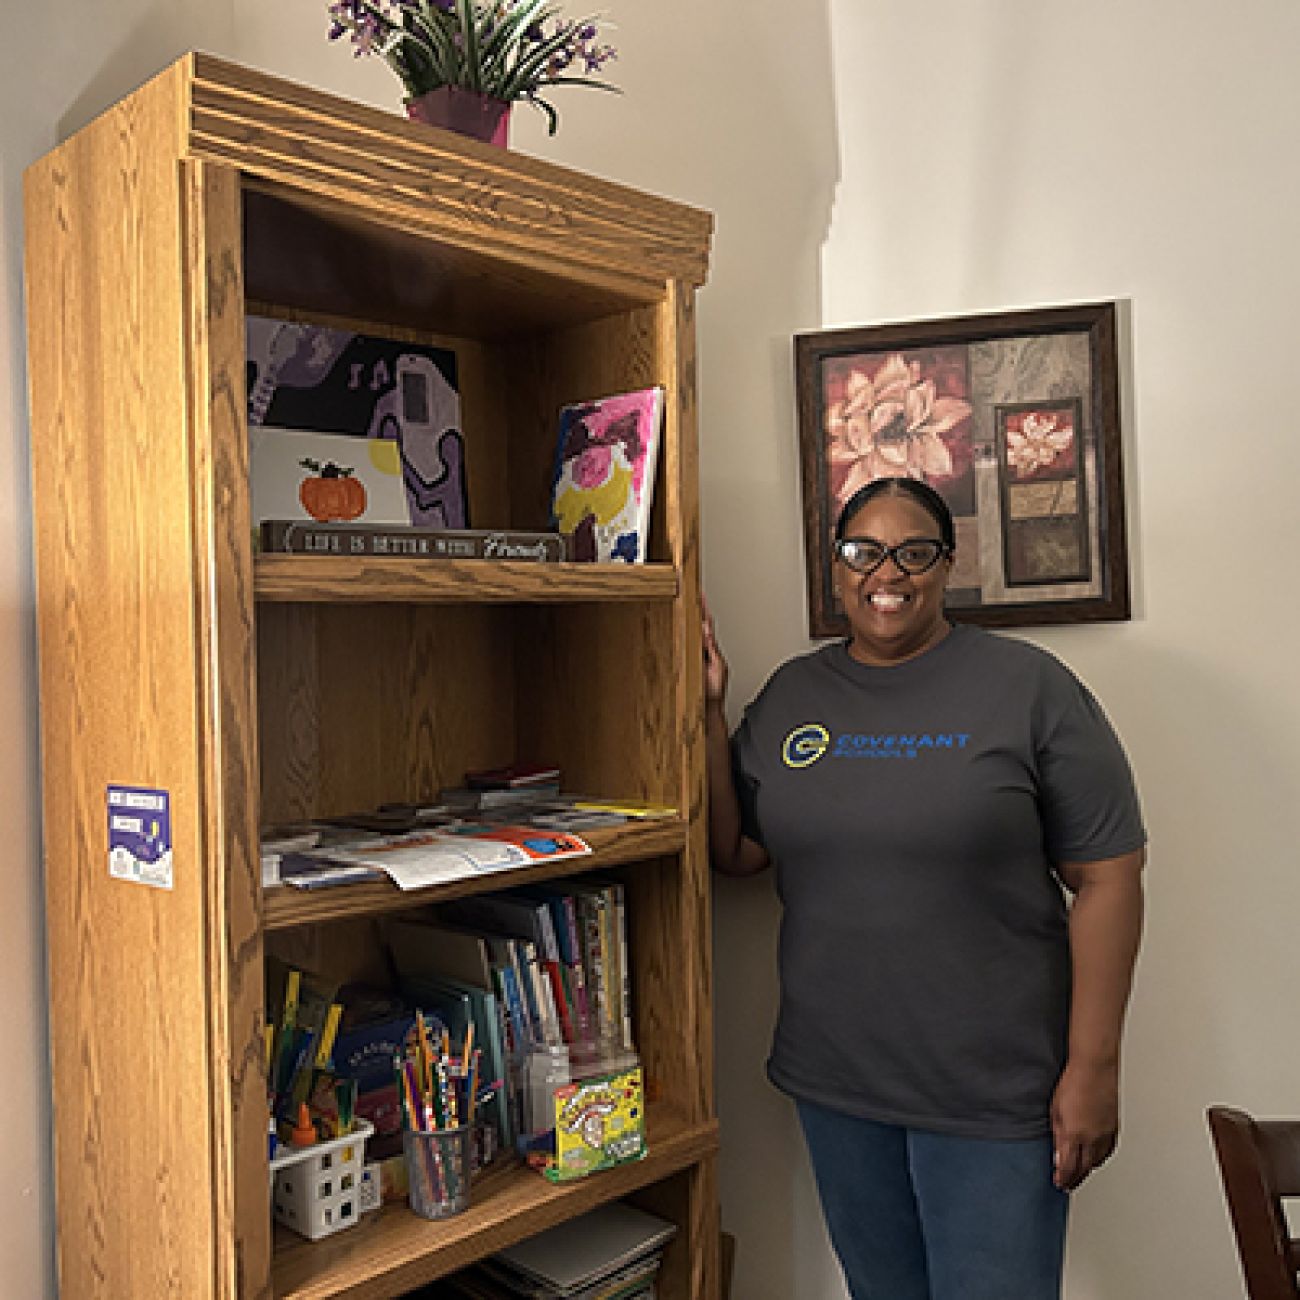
437	857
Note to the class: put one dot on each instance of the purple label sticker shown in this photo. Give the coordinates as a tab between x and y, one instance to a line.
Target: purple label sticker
140	835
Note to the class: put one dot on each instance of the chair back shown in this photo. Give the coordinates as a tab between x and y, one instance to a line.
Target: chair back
1259	1162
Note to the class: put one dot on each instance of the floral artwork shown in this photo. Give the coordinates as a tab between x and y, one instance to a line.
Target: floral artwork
604	475
1040	443
897	414
1013	419
1043	493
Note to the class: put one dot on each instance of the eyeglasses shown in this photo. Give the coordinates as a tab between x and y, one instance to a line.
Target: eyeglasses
913	555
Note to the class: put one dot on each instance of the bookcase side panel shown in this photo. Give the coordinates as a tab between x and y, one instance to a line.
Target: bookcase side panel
692	1264
677	333
223	577
130	1016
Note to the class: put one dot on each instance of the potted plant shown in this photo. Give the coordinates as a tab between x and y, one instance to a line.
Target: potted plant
465	62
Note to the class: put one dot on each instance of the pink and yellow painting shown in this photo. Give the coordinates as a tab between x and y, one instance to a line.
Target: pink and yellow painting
604	475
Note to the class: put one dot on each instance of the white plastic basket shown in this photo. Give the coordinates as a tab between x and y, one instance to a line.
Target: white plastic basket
316	1190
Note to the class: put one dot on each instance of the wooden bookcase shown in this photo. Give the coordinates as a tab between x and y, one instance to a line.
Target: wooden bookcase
255	689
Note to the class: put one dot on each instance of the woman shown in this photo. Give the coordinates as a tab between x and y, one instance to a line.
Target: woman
948	1028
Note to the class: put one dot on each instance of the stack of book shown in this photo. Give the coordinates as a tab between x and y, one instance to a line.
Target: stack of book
533	968
561	957
613	1253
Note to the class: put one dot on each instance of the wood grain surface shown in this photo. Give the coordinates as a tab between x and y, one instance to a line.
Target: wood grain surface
222	581
261	689
505	204
393	1251
137	1146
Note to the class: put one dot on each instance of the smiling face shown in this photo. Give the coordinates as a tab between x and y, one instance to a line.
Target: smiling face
893	615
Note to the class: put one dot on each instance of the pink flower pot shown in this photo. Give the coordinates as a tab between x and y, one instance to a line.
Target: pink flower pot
468	111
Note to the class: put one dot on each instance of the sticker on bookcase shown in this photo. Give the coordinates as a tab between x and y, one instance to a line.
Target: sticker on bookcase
140	835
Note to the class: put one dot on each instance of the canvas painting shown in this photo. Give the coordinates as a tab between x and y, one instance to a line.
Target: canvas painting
314	379
604	475
326	477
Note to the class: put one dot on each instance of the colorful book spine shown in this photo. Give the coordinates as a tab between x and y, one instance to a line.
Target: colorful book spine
624	965
566	913
590	908
307	537
612	975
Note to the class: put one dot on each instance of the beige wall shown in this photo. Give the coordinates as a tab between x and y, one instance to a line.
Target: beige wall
871	160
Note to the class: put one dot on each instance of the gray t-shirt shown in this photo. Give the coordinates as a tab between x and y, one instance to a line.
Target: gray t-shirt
914	813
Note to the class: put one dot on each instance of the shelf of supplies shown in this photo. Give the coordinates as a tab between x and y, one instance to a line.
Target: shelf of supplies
391	1251
372	579
285	907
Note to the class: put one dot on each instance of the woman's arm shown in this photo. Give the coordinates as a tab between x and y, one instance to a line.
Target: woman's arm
1105	928
730	850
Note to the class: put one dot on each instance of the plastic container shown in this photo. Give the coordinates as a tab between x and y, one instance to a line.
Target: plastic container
316	1190
545	1068
438	1167
582	1107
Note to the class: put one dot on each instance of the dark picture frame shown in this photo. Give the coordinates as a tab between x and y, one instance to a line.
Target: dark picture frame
1013	417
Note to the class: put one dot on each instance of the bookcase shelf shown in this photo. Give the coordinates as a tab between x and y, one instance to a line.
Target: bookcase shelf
252	690
393	1251
286	907
312	578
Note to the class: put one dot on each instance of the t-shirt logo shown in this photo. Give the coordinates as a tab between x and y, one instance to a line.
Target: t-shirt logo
805	745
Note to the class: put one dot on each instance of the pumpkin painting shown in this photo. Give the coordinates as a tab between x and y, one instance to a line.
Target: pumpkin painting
331	493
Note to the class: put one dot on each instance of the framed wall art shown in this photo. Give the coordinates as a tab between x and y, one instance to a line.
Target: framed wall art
1013	418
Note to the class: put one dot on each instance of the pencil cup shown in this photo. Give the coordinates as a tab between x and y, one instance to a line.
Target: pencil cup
438	1168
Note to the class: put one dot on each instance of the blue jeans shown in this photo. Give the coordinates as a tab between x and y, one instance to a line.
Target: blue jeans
915	1215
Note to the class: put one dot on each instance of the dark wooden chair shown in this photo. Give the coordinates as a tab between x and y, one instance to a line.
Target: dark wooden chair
1259	1162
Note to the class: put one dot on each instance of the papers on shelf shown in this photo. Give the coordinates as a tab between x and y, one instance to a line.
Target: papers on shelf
578	1259
425	858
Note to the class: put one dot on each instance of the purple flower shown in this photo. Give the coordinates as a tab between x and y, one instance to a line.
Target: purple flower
426	44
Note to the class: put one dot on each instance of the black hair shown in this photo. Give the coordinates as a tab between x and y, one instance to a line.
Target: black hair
922	493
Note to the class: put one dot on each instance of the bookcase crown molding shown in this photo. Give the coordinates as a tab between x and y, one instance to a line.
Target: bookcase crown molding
285	133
